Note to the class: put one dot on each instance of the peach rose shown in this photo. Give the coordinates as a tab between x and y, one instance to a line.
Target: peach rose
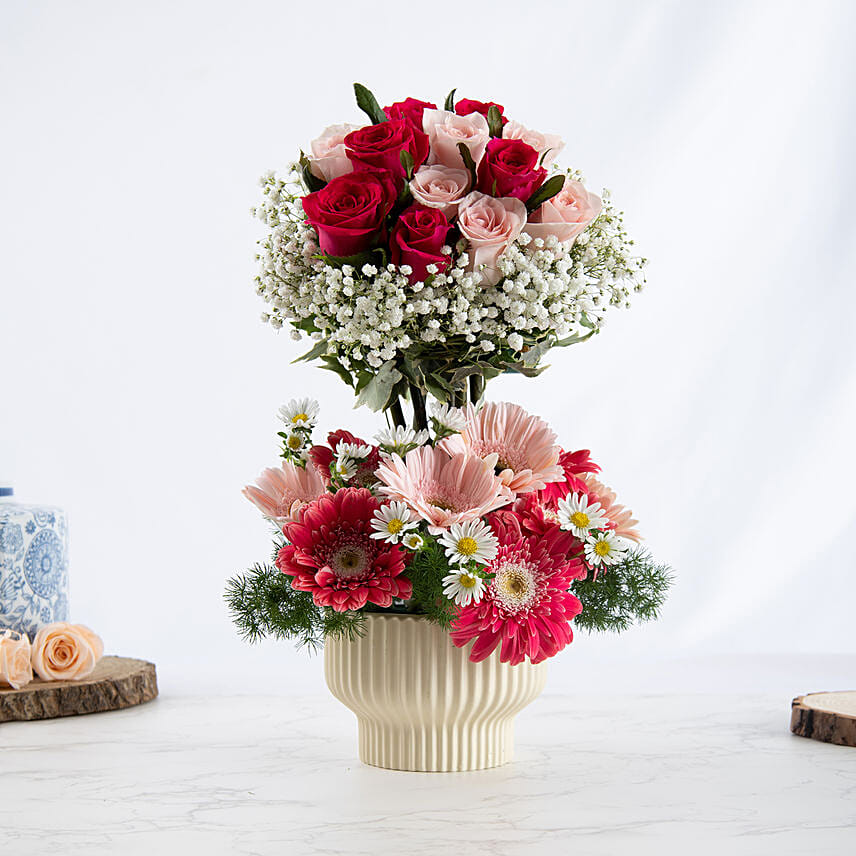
445	130
552	144
443	187
327	158
65	652
489	225
566	214
15	668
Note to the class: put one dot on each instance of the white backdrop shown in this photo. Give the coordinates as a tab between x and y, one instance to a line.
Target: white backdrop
138	388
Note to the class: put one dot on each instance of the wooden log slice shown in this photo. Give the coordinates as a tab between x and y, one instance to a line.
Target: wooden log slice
830	717
117	682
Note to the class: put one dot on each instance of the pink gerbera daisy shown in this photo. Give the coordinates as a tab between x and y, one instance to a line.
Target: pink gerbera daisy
621	518
527	609
441	488
333	556
280	493
527	457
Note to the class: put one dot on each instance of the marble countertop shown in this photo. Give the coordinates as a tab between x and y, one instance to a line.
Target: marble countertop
272	774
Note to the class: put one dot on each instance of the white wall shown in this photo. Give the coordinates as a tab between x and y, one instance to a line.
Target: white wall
138	388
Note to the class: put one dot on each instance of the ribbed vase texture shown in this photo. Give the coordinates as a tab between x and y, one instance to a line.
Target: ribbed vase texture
421	705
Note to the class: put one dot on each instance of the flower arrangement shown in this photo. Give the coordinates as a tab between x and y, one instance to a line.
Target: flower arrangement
424	254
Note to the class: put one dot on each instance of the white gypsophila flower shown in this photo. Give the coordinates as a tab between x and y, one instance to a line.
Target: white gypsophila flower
580	514
354	451
413	541
300	412
451	418
606	548
548	290
400	440
391	522
470	541
463	587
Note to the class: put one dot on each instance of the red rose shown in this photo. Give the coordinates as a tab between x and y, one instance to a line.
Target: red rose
417	238
510	168
410	109
348	213
380	146
466	106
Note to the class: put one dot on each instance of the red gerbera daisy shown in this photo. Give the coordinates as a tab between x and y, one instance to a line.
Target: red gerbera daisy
332	555
574	464
527	608
322	457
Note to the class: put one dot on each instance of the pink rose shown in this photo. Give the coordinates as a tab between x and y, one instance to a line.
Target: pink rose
349	213
510	168
566	214
489	225
552	144
445	130
328	159
441	187
66	652
467	106
417	238
380	146
15	668
410	109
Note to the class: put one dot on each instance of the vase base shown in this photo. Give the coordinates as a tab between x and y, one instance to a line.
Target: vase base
436	750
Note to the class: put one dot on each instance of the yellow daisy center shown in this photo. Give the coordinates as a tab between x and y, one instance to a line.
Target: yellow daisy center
394	526
602	548
294	442
467	547
467	581
580	519
299	417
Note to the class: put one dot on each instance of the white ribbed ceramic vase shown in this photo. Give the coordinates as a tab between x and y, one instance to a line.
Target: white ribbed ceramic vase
421	705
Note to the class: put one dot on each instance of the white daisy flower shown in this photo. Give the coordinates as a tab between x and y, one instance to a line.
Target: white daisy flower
354	451
577	513
392	521
451	419
472	540
413	541
463	587
300	412
400	440
294	440
606	548
343	467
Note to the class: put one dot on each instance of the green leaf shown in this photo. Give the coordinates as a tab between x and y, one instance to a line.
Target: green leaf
469	163
546	191
450	102
407	162
332	364
319	349
541	159
310	181
573	340
368	104
586	323
494	121
377	392
376	256
533	356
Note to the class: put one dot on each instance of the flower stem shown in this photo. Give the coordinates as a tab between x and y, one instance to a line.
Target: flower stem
476	388
397	413
417	398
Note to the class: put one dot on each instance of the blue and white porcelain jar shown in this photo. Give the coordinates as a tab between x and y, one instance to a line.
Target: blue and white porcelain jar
33	564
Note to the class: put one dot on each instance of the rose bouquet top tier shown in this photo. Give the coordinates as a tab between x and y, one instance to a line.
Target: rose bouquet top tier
435	248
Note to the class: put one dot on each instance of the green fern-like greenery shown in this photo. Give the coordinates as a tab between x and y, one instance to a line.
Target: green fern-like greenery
631	592
263	603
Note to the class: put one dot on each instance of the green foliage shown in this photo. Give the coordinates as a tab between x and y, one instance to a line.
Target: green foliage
494	121
450	102
545	192
368	104
623	595
263	603
426	572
